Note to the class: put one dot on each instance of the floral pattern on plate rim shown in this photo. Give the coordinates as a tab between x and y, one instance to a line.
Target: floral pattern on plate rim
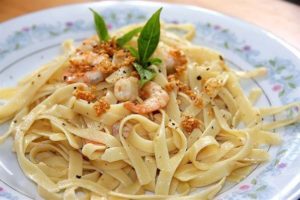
283	74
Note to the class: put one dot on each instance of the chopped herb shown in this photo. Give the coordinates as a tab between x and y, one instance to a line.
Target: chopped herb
100	26
155	61
145	74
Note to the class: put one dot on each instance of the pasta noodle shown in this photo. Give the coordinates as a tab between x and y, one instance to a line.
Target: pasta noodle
79	139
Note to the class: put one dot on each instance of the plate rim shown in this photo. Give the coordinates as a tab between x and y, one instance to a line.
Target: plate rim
265	33
292	49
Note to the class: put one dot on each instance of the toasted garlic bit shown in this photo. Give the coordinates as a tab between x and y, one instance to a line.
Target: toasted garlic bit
189	123
126	89
84	95
101	106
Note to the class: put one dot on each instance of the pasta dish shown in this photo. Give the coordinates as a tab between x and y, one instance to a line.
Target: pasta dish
138	113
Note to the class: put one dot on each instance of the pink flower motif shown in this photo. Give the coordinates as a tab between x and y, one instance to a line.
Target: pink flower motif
1	189
246	48
109	26
244	187
217	27
174	22
297	109
69	24
282	165
276	88
25	29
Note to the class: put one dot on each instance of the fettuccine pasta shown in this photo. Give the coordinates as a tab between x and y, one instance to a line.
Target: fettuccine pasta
84	128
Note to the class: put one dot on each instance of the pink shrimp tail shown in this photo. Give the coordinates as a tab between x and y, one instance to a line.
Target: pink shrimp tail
136	108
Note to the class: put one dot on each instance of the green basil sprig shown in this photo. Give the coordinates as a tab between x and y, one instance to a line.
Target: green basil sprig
146	74
103	34
147	43
149	37
100	26
128	36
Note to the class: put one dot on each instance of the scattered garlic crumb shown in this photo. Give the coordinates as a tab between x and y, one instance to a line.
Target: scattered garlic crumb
189	123
101	106
84	95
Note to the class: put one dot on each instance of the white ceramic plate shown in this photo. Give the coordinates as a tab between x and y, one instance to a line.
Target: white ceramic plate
31	40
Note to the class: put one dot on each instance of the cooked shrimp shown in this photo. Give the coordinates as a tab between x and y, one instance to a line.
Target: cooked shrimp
173	58
93	77
156	98
87	58
90	77
126	89
90	43
83	68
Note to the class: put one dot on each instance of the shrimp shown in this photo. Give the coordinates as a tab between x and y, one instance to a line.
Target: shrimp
90	77
173	58
90	43
83	68
126	89
156	98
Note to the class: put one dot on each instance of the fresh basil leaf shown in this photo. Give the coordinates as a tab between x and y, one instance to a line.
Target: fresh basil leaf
133	51
146	75
100	26
128	36
155	61
149	37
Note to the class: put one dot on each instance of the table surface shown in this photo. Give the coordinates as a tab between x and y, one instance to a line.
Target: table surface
279	17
